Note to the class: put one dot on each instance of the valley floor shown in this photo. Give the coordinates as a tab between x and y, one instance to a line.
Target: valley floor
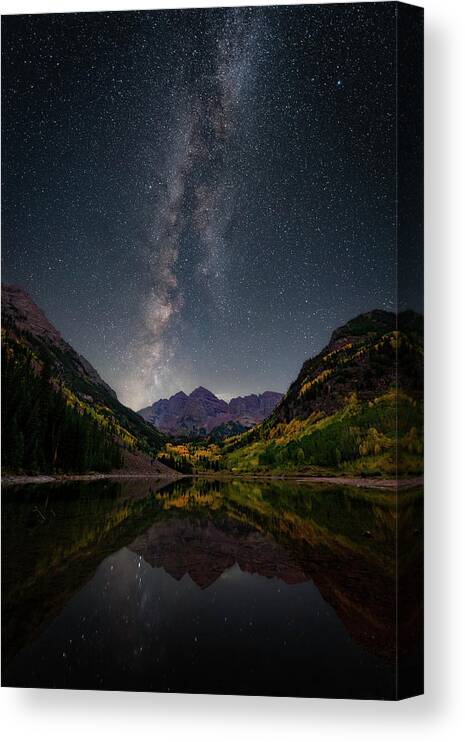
136	466
10	479
365	482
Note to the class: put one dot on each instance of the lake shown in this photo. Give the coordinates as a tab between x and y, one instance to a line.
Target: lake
204	586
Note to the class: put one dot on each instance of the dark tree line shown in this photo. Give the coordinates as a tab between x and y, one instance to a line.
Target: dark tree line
184	466
178	463
42	431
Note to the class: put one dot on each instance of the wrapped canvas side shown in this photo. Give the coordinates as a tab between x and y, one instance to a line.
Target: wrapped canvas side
409	218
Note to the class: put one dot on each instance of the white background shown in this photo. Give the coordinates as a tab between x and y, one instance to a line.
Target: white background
86	716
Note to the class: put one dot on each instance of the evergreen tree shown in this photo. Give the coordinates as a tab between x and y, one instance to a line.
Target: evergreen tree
43	431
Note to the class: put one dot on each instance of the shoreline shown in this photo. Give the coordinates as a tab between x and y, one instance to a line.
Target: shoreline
12	479
361	482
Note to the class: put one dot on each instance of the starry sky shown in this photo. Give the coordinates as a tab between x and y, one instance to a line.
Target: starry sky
200	197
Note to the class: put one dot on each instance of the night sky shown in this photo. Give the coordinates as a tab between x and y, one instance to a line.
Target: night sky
200	197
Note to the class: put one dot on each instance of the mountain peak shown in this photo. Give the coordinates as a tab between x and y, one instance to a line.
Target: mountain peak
201	391
202	411
375	321
378	322
178	395
19	308
21	314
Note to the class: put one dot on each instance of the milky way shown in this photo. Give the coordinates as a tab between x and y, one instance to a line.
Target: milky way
200	197
196	193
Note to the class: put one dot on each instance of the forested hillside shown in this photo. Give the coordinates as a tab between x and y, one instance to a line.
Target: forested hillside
44	429
58	415
355	409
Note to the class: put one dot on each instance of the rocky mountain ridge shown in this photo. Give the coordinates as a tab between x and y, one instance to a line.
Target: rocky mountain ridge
30	341
372	353
201	411
355	408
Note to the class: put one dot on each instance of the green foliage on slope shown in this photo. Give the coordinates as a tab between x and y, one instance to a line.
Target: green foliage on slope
355	409
358	440
43	431
33	349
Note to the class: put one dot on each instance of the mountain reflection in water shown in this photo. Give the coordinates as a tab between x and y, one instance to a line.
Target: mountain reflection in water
203	586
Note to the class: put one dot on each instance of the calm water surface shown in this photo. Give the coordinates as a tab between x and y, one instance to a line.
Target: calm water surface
264	588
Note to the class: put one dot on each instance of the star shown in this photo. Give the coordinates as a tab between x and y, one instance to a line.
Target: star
182	196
